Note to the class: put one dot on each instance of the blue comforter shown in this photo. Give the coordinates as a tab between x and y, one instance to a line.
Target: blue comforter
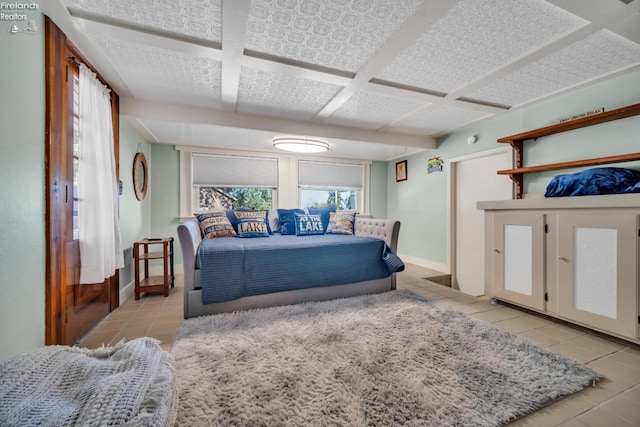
606	180
232	268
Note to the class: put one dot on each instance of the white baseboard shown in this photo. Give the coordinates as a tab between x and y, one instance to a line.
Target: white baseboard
126	292
433	265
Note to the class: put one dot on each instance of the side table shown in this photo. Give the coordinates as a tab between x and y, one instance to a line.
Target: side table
153	283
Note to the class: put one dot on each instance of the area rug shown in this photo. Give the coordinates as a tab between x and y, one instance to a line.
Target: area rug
380	360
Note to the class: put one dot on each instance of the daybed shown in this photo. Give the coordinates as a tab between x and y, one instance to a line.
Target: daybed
233	257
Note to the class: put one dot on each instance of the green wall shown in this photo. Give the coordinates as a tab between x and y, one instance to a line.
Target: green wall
134	214
22	196
164	189
420	203
378	185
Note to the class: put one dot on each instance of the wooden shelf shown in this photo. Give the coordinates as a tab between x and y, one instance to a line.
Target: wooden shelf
574	164
516	141
596	119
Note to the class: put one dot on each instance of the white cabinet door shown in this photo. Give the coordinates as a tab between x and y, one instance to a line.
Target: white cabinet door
598	271
518	258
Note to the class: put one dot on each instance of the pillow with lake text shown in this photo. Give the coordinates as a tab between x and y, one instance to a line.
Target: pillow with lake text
308	224
215	224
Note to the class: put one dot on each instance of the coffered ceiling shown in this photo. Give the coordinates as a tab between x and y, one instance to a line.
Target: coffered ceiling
378	79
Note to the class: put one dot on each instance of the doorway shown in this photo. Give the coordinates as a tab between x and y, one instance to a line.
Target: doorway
473	178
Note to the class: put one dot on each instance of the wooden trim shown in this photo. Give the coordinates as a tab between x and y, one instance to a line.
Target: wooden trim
55	132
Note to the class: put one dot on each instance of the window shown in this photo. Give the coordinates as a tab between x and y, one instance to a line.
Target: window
218	179
229	182
324	184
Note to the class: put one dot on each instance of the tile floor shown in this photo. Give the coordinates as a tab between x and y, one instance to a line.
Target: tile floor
615	402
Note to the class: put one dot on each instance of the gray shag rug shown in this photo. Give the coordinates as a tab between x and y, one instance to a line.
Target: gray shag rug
378	360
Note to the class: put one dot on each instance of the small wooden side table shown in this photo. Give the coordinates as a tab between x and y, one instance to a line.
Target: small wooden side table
153	283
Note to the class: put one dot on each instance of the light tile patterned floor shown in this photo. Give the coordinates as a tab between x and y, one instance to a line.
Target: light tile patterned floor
615	402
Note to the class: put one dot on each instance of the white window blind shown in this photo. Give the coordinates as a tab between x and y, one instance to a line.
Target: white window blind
234	171
330	175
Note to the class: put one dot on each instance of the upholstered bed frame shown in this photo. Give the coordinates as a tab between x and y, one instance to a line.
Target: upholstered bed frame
190	238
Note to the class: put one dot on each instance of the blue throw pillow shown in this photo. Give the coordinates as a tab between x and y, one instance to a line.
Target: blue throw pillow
237	215
307	224
324	213
288	220
252	227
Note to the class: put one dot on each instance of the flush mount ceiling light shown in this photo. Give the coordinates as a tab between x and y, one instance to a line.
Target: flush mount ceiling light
300	144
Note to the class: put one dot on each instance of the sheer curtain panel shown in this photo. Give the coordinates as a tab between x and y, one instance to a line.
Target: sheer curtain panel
99	225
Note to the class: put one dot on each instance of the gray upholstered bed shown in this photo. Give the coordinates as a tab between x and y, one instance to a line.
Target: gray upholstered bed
190	237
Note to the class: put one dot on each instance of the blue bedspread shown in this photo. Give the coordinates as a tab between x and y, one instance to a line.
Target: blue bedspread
232	268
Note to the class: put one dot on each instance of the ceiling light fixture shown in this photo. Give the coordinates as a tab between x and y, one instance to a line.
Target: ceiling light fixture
300	144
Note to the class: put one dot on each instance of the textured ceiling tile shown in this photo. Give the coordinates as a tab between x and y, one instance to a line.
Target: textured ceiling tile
340	34
274	94
373	110
147	69
200	19
599	54
474	38
439	120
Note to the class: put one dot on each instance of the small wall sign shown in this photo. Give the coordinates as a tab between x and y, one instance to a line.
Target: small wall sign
434	164
581	115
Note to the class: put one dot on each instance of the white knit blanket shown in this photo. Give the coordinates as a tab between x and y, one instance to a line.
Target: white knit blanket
129	384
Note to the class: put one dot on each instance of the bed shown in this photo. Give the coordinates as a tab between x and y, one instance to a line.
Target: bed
371	236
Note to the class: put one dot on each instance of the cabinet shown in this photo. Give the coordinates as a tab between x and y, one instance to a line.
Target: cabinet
572	259
153	283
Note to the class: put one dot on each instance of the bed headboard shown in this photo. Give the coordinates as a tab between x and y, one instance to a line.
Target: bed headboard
385	229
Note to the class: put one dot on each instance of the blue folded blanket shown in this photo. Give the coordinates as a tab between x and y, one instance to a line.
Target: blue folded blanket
607	180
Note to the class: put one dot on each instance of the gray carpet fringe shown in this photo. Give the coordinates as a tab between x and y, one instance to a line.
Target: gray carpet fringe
379	360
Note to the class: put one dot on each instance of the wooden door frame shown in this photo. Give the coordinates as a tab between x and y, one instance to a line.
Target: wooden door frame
57	48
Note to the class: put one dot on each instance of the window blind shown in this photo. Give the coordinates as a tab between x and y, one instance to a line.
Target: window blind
330	175
234	171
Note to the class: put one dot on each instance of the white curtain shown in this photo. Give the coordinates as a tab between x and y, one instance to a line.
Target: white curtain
99	226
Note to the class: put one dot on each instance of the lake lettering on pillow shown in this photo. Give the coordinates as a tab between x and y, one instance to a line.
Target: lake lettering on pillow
252	228
307	225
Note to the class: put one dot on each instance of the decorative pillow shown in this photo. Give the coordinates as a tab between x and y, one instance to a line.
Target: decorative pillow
605	180
307	224
341	223
239	214
324	213
215	224
288	220
253	227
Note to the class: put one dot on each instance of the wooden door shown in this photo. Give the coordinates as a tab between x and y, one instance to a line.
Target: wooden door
72	309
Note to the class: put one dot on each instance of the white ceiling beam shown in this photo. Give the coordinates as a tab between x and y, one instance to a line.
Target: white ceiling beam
234	23
184	114
144	38
426	15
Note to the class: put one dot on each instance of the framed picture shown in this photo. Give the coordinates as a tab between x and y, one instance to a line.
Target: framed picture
401	171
